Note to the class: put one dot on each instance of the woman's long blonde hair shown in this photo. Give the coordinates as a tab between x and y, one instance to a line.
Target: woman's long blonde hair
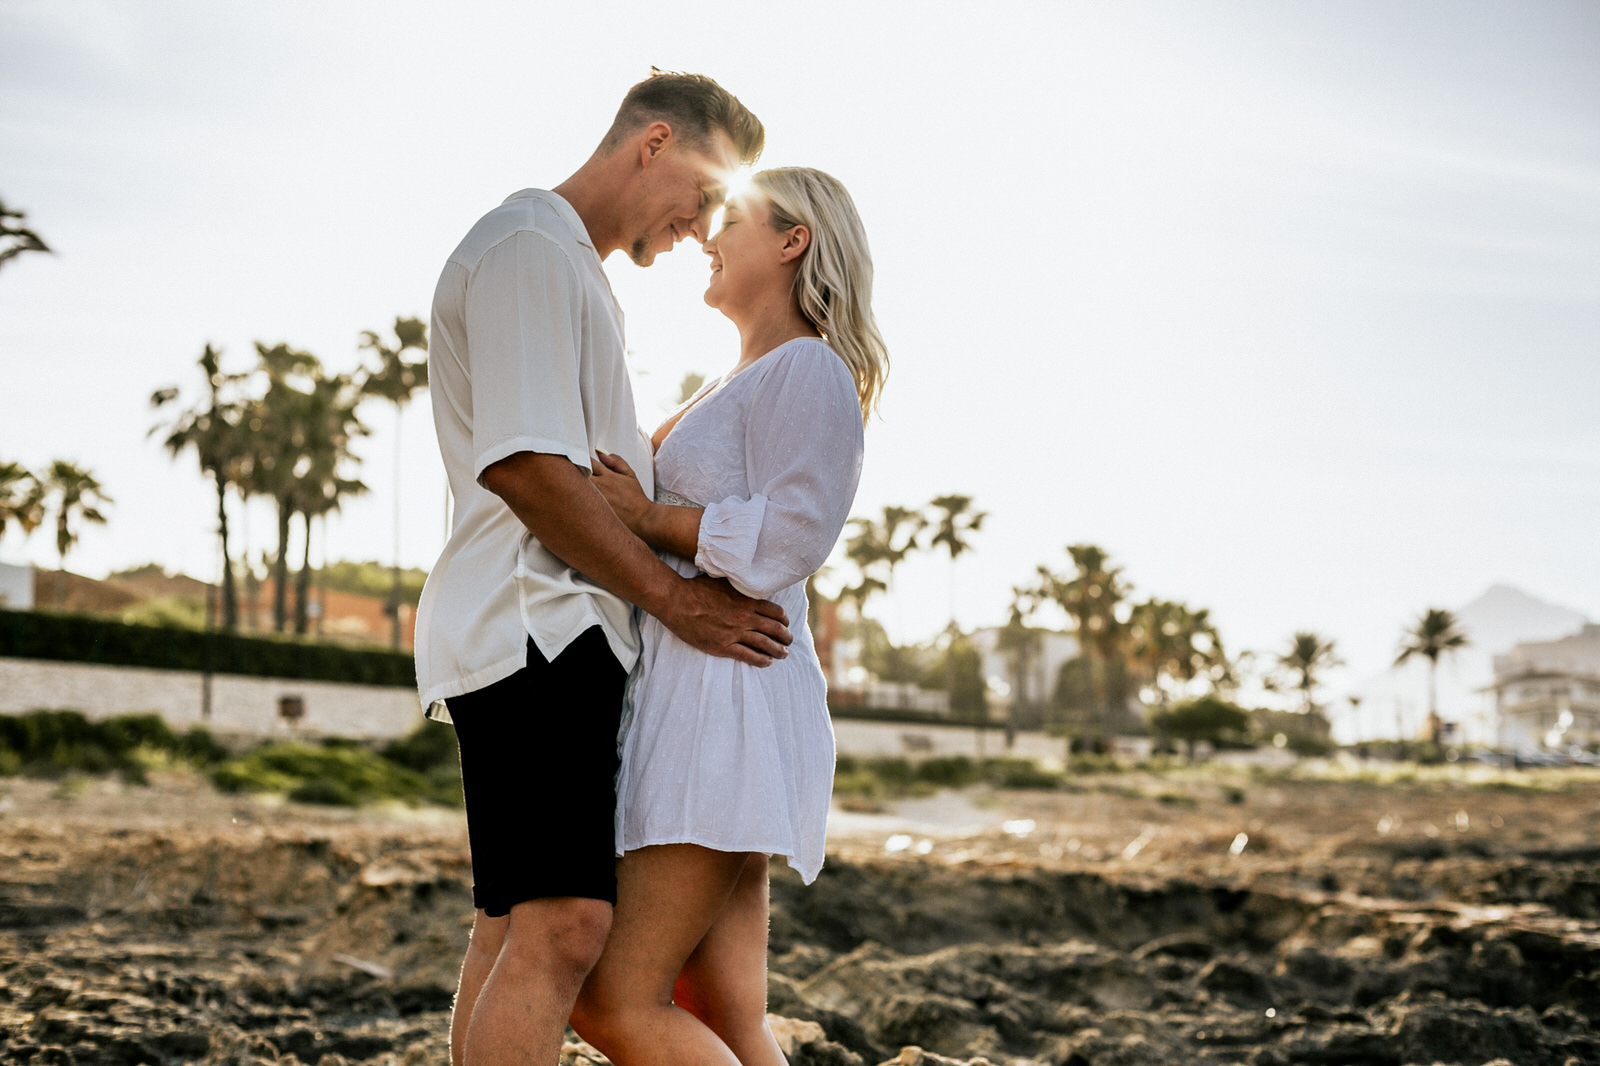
834	284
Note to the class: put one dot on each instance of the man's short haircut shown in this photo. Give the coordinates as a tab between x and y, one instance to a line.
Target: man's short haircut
694	106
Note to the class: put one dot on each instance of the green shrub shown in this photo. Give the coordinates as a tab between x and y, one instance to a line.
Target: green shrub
856	782
1021	773
339	772
54	743
200	748
321	790
430	746
1310	745
894	772
129	731
948	772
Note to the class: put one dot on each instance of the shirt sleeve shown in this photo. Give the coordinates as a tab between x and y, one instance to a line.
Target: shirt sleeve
524	309
803	448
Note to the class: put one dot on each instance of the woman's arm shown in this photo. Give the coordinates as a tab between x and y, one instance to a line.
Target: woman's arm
803	448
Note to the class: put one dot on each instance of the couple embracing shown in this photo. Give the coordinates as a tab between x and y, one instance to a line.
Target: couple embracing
592	567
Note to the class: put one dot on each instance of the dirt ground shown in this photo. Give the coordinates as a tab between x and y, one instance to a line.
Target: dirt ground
1207	918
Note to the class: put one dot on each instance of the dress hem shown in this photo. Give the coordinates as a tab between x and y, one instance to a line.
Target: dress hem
806	876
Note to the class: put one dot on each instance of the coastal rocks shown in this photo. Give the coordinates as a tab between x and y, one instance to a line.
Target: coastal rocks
336	943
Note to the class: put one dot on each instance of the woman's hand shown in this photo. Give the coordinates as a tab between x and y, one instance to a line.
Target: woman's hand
617	482
664	527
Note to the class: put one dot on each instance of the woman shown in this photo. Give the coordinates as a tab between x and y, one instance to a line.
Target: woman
724	765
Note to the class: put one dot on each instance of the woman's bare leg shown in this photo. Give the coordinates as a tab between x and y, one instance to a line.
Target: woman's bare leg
668	897
724	983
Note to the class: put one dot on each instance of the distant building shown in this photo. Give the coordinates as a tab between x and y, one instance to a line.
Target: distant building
1547	694
16	587
1028	680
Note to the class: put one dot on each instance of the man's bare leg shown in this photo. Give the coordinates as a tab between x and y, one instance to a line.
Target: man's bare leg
518	1011
484	947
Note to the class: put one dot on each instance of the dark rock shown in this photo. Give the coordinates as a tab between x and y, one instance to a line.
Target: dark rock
182	1043
1344	1045
1236	982
927	1021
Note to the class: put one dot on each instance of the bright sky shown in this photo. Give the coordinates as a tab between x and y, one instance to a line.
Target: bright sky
1293	307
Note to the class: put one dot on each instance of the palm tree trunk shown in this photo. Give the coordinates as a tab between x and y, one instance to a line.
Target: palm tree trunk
280	571
230	601
302	584
1091	683
394	593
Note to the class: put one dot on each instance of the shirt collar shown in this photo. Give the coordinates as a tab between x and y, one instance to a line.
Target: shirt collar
567	213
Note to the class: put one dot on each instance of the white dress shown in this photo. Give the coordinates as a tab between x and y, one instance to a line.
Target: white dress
717	753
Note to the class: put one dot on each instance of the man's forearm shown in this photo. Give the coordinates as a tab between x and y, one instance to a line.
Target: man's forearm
554	500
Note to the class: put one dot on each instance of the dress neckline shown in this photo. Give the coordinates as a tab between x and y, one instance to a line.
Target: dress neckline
706	392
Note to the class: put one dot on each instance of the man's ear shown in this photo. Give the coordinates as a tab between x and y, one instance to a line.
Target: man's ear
795	242
655	140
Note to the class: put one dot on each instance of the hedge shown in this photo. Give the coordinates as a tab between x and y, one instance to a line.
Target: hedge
87	639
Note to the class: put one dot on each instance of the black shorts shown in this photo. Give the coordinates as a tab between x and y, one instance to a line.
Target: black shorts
538	767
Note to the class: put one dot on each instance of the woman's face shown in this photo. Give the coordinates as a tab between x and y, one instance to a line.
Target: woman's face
749	267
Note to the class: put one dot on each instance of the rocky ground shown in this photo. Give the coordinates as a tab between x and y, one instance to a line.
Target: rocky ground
1132	920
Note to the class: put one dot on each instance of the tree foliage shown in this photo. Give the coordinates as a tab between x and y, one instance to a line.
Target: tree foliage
1435	634
1308	655
16	238
1206	718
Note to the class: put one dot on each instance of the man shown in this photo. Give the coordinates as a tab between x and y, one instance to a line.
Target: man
524	634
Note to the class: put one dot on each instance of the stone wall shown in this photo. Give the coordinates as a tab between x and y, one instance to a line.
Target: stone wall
240	706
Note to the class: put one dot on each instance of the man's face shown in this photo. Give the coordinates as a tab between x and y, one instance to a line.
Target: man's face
683	187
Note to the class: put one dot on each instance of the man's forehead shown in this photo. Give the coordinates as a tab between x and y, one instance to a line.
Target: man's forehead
719	161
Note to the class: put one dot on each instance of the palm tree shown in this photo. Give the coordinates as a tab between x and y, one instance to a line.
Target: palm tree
215	430
21	499
396	380
882	546
75	496
1091	598
303	423
329	412
1436	633
953	523
16	239
1307	657
1021	643
1171	642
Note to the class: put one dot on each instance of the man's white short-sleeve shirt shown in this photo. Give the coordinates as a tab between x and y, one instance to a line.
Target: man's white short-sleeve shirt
526	355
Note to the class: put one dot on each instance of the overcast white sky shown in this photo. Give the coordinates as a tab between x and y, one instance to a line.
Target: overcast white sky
1293	307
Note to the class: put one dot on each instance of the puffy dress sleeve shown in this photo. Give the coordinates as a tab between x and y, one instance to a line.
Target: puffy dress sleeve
803	447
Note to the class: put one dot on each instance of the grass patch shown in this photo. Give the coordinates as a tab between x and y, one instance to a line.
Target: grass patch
54	744
342	774
422	767
897	778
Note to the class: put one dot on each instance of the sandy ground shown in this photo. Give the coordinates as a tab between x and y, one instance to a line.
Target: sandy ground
1186	918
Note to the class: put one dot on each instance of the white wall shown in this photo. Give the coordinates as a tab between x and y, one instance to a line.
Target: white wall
240	706
16	587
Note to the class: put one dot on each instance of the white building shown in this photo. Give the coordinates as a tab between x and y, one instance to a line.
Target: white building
16	587
1030	679
1547	694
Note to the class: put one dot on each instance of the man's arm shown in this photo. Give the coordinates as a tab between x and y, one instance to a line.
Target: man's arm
554	500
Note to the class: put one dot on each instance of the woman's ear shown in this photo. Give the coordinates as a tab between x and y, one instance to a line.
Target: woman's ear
795	242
